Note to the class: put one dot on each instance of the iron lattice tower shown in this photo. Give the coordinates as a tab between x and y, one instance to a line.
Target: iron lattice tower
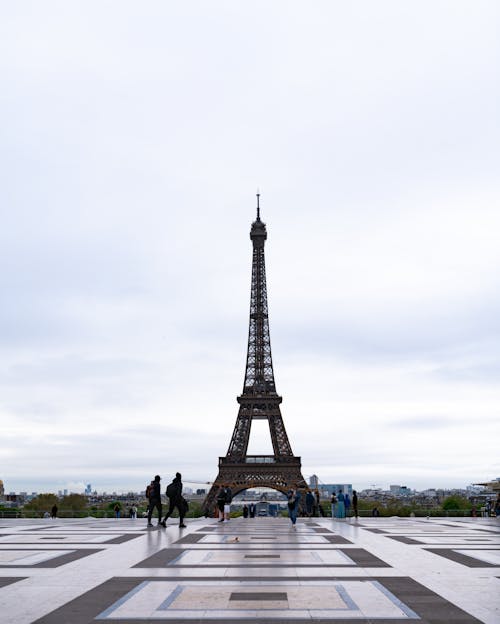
258	401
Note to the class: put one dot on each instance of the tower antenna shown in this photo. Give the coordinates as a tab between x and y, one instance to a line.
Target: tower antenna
258	205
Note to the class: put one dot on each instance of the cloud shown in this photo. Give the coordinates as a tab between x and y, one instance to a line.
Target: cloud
132	146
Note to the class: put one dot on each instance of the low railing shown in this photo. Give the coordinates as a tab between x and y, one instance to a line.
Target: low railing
362	513
6	514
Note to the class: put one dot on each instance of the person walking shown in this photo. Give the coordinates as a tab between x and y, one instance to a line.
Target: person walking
174	493
251	510
347	503
318	504
221	501
340	505
355	503
53	512
309	503
333	502
227	503
293	497
154	500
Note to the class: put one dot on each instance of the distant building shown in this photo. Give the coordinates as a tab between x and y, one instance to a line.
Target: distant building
2	491
88	489
330	488
400	490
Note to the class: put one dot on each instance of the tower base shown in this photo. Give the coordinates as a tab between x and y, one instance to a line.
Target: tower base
255	471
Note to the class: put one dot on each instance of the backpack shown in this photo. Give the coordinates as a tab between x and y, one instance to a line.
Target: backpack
148	491
171	490
229	495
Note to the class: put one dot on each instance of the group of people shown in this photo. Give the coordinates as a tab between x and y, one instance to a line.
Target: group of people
249	511
175	499
341	504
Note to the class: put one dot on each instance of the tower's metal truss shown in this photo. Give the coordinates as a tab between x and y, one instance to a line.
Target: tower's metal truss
258	401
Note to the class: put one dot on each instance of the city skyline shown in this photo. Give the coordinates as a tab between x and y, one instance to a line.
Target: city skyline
132	150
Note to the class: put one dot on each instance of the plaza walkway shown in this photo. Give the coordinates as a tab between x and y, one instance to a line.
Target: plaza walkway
383	570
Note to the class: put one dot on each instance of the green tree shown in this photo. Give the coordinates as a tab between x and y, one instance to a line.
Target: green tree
42	502
456	503
74	502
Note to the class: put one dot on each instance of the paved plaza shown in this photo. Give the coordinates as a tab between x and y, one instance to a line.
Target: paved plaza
383	570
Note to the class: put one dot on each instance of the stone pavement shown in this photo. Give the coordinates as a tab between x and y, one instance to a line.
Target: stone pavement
383	570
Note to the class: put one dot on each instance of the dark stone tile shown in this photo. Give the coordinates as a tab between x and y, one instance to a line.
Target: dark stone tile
364	559
431	607
470	562
258	596
337	539
56	562
8	580
403	539
120	539
192	538
161	558
262	556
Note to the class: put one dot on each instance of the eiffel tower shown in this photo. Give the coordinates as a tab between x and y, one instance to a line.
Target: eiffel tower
258	401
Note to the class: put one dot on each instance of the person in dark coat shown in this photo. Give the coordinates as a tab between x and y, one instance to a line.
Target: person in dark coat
245	511
293	497
355	503
221	501
310	500
174	494
53	512
347	503
154	499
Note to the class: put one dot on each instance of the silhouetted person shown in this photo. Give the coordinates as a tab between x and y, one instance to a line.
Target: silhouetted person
347	503
53	512
221	501
309	503
227	503
293	497
174	493
155	499
355	503
340	505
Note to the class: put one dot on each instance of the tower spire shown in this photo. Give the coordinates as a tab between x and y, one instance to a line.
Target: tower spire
258	205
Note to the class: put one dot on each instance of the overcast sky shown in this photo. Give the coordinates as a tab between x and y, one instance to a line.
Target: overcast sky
133	138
